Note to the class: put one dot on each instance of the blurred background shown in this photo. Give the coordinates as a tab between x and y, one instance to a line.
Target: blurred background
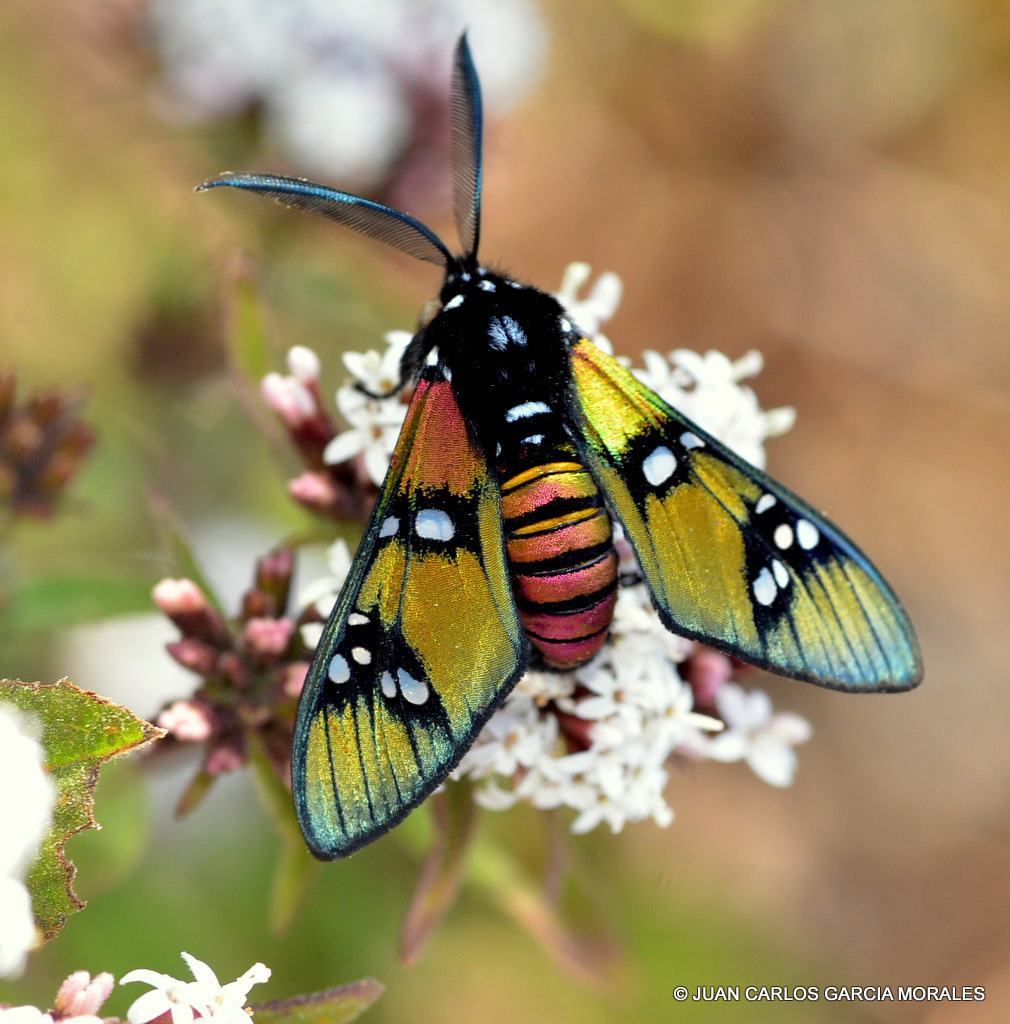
827	181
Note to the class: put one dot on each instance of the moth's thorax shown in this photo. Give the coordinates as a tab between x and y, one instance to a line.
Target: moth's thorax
504	347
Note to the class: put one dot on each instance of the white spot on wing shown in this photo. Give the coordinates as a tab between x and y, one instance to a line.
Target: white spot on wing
362	655
432	359
453	303
487	286
765	502
339	671
764	587
566	325
783	536
781	573
415	691
807	534
389	526
388	685
357	619
525	410
434	524
689	439
659	465
534	439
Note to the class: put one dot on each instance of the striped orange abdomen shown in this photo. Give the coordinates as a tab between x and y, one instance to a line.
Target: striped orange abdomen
562	560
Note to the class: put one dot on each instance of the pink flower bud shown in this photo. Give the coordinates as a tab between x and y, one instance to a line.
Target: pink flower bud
195	655
294	678
186	721
224	759
179	597
289	398
82	996
707	671
268	637
315	490
187	606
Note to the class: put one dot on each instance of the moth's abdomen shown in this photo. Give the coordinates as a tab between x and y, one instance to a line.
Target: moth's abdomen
562	560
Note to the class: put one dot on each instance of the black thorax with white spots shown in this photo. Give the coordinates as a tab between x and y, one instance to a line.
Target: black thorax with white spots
503	347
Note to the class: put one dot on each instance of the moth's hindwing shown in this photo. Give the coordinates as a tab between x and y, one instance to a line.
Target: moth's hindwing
423	644
731	557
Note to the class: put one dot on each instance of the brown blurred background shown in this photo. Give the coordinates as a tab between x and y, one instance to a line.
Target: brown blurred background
825	180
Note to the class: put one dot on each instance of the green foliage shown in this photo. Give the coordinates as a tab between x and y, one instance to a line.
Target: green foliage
334	1006
60	600
80	732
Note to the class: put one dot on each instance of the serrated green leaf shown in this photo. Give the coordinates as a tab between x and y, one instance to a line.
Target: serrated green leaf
62	600
81	730
334	1006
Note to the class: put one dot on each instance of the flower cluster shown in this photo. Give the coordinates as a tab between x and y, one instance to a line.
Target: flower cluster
597	739
42	444
343	471
204	997
347	89
252	670
80	998
25	812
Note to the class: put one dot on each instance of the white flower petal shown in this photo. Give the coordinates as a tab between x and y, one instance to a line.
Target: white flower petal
344	447
201	972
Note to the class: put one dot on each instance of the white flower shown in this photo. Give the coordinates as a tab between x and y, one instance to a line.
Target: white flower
707	390
205	996
754	734
599	305
303	364
339	81
25	1015
25	813
374	427
323	592
17	925
379	374
636	711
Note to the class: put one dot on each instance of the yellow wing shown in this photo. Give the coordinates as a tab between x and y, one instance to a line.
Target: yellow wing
732	558
423	644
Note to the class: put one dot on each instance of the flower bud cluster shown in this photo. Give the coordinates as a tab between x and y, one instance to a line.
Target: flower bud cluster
42	445
252	668
339	488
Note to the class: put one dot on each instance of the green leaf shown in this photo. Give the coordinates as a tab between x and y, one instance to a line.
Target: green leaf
247	326
80	731
61	600
296	868
455	818
334	1006
587	958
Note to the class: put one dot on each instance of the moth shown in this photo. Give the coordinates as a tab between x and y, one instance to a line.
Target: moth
491	541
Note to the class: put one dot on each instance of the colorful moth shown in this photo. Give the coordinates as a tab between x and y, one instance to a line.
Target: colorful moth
491	539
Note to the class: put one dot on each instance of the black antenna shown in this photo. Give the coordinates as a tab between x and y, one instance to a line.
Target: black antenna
467	127
394	227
